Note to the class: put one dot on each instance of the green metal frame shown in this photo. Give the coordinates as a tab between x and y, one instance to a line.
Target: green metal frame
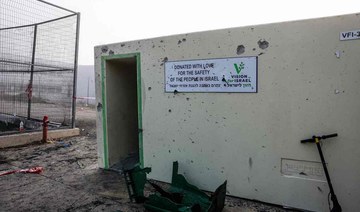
181	196
104	59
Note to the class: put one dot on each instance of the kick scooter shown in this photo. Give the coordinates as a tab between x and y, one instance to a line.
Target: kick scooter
316	140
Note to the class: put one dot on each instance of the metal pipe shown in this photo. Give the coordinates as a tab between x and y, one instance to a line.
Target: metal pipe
29	89
44	22
20	63
45	2
336	205
20	71
75	70
325	168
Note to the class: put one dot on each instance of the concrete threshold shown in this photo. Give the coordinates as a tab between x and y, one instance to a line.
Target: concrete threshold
28	138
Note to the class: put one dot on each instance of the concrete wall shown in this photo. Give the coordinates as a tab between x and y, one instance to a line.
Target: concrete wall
21	139
308	83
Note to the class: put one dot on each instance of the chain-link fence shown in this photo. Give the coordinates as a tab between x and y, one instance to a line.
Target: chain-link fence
38	64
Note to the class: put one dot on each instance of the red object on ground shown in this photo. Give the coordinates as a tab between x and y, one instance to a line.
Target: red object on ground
35	170
45	128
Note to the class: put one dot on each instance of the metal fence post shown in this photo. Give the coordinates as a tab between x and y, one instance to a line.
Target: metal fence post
75	69
30	86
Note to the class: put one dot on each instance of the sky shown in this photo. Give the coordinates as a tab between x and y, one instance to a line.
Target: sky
114	21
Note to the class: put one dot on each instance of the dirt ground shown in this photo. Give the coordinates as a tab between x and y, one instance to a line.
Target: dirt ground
71	180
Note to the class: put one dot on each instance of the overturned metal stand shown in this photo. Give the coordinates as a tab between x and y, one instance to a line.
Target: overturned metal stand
182	196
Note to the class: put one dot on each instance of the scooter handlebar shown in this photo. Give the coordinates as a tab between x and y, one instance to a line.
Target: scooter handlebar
329	136
312	140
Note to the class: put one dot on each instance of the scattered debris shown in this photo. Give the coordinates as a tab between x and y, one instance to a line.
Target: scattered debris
50	141
63	144
34	170
303	173
81	165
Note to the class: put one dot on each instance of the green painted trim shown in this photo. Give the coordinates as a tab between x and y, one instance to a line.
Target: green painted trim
139	103
104	121
139	98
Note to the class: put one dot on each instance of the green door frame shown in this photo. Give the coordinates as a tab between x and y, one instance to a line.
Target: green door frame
104	59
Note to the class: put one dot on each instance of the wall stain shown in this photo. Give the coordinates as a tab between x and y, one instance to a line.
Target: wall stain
250	162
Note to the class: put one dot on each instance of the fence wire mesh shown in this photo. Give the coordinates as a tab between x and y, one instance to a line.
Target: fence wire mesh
38	50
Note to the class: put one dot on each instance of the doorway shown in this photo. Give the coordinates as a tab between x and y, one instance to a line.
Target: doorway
122	113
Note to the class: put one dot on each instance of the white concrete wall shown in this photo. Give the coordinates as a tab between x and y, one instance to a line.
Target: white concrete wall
253	140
